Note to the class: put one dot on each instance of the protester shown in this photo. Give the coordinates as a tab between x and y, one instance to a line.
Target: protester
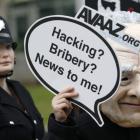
121	113
19	118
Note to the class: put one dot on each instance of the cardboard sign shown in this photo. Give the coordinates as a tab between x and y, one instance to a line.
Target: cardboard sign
107	27
62	51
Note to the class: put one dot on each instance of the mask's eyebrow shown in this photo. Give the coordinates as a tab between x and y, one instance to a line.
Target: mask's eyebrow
127	68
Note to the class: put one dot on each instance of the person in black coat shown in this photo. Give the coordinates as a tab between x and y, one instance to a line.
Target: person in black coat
121	113
19	118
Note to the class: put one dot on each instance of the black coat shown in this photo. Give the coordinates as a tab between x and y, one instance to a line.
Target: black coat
15	122
85	128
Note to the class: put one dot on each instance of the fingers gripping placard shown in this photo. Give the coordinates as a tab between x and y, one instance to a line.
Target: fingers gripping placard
61	52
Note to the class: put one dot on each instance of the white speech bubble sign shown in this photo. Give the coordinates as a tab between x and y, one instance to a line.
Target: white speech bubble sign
62	51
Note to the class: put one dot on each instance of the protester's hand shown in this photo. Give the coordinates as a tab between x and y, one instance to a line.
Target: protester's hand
61	104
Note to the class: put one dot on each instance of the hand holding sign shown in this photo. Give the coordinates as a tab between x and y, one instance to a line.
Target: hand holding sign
62	52
62	105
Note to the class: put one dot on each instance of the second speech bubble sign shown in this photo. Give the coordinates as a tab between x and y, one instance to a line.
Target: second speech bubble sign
62	51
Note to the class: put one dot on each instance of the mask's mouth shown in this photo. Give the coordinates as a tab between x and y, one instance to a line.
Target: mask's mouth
6	74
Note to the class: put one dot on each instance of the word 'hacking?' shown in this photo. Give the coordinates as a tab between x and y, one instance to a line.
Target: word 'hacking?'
73	41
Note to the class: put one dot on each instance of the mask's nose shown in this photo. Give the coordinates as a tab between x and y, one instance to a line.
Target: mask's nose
135	86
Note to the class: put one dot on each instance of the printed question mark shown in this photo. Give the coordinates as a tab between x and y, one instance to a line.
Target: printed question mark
93	67
101	53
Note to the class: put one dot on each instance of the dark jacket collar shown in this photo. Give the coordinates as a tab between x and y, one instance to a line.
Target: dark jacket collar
11	100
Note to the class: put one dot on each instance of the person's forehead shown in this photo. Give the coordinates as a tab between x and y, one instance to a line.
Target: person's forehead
126	57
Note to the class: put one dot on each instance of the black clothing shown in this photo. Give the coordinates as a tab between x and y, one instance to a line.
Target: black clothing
85	128
19	119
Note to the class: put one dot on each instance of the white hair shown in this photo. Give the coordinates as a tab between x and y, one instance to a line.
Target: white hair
124	16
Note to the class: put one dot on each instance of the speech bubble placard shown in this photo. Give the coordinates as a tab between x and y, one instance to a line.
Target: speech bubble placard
62	51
